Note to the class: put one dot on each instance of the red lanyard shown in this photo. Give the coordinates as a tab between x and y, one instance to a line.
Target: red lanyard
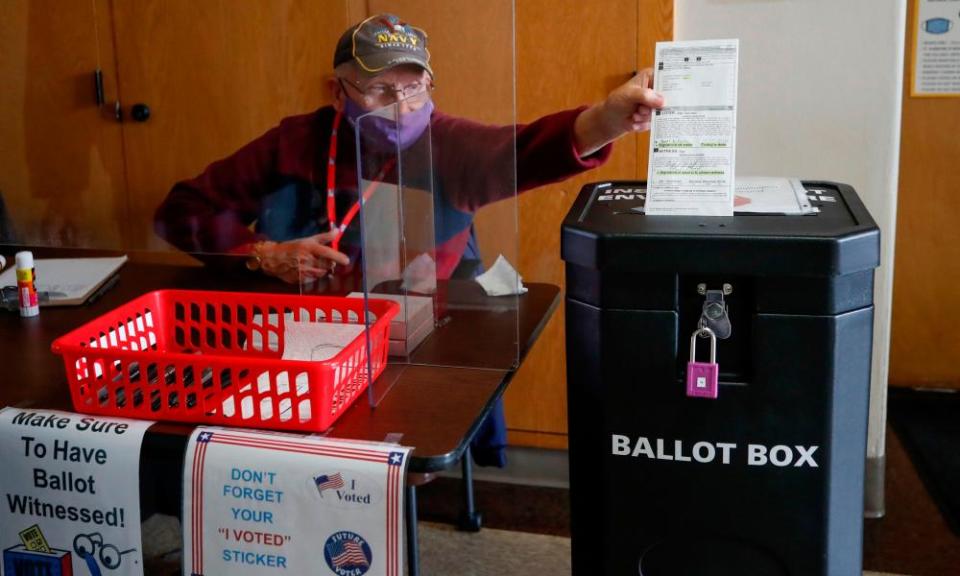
332	187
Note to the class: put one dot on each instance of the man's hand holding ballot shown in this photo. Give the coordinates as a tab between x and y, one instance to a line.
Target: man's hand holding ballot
628	108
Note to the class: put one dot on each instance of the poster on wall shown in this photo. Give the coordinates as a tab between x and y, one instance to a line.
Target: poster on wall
936	48
70	494
263	503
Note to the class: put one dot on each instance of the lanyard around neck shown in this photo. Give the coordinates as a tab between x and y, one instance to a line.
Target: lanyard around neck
332	187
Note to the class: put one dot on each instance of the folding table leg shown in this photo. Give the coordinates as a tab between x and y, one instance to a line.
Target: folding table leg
413	543
470	520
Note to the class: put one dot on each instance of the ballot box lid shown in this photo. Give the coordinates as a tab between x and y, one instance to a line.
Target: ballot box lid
604	229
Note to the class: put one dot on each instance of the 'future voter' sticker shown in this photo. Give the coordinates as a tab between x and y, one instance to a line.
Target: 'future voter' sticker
347	554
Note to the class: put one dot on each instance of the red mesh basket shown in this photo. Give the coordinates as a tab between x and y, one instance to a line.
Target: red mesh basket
215	358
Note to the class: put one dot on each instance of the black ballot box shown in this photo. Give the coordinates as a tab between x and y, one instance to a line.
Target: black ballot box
766	479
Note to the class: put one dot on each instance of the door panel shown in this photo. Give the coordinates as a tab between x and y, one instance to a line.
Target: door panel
923	343
61	164
215	74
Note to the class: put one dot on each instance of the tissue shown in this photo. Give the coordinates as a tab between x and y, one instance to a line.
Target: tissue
501	279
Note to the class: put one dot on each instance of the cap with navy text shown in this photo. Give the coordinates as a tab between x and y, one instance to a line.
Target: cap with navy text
381	42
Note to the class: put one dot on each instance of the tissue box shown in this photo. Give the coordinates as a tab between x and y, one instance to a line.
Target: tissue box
404	347
411	325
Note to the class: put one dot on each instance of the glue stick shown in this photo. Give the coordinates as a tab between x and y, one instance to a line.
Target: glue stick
27	285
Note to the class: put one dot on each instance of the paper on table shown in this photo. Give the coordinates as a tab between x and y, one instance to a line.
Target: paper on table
68	281
316	341
501	279
693	139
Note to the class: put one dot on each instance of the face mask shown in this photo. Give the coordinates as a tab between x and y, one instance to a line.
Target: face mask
937	26
383	134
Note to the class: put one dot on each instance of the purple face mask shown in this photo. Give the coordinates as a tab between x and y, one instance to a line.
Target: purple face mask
383	134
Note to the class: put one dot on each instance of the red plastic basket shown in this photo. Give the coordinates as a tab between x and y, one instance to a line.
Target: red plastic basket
215	358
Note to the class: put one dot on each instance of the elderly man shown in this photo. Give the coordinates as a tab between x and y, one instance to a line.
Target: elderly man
296	185
379	61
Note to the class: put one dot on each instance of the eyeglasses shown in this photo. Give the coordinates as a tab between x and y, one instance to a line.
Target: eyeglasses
380	92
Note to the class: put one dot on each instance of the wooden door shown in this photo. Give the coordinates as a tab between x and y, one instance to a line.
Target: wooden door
215	75
924	345
61	164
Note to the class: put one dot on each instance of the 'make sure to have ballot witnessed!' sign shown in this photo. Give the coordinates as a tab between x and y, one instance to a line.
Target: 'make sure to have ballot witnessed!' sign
70	494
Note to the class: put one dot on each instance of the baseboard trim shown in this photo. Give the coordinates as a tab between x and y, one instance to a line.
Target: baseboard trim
527	466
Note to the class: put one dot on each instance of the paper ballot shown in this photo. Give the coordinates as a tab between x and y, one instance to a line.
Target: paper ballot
757	195
317	341
765	195
693	138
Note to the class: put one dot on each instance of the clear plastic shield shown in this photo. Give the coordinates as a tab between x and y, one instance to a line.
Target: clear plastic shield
423	187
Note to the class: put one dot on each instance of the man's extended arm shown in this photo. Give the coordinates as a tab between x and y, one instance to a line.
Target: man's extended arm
477	161
626	109
212	213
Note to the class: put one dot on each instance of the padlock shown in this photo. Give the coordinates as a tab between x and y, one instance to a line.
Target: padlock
703	377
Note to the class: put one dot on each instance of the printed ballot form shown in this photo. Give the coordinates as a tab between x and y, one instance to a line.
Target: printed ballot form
693	138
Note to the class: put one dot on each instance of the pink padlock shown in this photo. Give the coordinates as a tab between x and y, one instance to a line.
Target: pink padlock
703	377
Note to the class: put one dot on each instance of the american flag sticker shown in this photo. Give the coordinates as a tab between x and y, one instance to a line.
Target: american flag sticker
328	482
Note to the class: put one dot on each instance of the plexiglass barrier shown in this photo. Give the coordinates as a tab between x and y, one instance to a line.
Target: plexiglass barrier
420	247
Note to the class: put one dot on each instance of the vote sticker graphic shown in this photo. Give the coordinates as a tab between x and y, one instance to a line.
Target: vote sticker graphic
347	554
345	490
35	556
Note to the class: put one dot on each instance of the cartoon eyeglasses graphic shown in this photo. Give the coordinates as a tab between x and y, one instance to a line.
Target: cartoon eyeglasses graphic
86	545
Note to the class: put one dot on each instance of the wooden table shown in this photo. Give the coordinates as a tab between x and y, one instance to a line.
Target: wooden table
435	405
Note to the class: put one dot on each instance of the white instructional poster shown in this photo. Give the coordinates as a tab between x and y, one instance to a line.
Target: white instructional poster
71	494
693	138
936	48
272	503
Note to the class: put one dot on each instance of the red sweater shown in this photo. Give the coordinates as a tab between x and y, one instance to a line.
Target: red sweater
472	165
